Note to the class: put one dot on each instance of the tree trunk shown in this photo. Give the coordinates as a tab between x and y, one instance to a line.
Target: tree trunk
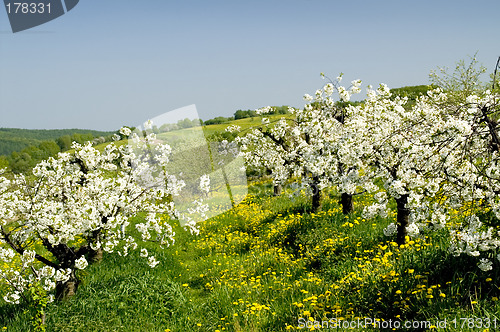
346	201
492	126
95	256
277	188
316	195
66	290
402	218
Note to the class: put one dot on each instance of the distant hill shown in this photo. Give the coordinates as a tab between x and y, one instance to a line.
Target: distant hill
15	139
412	92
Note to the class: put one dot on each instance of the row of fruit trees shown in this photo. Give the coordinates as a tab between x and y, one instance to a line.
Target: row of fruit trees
433	157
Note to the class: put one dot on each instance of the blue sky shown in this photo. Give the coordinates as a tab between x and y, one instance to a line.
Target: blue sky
109	63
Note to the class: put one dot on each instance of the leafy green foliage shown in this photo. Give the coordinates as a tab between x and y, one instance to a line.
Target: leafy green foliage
220	136
29	150
240	114
464	80
218	120
14	139
38	301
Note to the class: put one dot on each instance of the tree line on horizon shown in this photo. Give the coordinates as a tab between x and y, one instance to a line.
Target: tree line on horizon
22	149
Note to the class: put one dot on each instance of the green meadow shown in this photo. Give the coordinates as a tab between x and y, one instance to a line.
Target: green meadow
269	265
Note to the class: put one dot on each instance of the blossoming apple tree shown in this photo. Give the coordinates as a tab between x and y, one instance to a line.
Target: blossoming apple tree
57	219
304	147
435	158
472	170
468	145
405	150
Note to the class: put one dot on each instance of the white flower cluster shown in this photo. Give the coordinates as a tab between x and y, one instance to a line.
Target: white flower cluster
205	183
233	129
20	277
307	147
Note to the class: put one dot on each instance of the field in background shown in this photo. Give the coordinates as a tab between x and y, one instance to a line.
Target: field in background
245	123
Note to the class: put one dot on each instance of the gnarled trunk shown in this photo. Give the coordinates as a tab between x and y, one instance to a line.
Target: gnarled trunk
66	290
402	218
316	195
346	201
95	256
277	189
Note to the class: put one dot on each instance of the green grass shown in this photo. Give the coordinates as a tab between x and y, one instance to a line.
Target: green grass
267	263
245	123
15	139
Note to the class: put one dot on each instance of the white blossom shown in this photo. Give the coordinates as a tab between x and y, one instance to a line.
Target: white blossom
412	230
485	264
205	183
152	262
390	230
81	263
125	131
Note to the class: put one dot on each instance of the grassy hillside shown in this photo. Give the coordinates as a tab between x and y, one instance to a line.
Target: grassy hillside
14	139
269	266
245	123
